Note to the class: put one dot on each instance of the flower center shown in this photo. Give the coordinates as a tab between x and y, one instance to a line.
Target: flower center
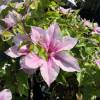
40	51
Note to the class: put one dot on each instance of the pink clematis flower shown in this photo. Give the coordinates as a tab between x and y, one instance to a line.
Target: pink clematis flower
87	23
94	26
12	18
16	51
64	11
96	30
98	62
5	95
55	47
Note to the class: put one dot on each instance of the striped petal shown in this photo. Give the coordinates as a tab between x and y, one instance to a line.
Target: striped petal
49	71
66	62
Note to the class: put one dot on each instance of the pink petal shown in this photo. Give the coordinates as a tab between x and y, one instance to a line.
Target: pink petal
36	34
23	50
98	63
15	52
12	52
5	95
63	10
10	19
53	33
97	30
30	61
66	62
49	71
87	23
66	44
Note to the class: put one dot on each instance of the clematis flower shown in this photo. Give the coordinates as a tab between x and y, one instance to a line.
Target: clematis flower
87	23
98	62
19	51
64	11
12	18
94	26
54	46
96	30
16	51
5	94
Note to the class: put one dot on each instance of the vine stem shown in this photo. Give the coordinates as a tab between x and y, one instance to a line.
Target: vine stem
30	92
